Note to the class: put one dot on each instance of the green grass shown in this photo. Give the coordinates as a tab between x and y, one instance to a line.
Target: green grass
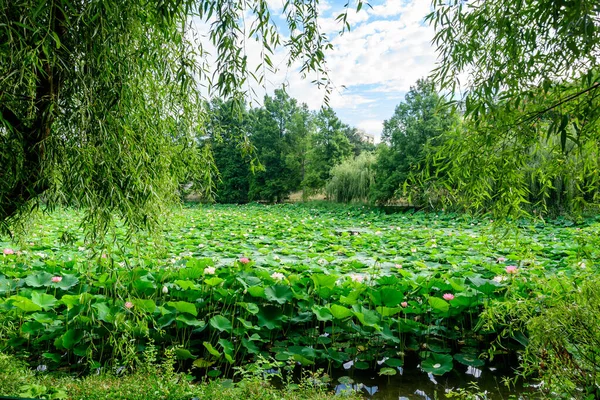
151	382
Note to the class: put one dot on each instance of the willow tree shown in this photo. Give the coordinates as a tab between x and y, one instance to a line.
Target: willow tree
100	100
532	88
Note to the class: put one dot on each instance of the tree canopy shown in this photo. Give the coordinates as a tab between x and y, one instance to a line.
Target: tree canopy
100	101
417	121
531	94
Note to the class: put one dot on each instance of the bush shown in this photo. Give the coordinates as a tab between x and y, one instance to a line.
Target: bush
564	347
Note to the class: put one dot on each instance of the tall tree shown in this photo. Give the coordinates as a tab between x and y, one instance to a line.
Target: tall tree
329	146
271	138
416	121
99	99
227	126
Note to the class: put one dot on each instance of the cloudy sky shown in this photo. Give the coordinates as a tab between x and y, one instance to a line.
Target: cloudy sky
372	66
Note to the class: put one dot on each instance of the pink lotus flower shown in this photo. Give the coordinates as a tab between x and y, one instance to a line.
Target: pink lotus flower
357	278
244	260
209	270
128	304
56	279
404	304
501	259
448	296
399	266
511	269
8	251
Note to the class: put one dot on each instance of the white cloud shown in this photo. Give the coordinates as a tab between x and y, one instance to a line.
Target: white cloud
387	50
372	127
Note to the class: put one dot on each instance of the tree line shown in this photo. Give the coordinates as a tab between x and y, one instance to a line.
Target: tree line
267	153
431	155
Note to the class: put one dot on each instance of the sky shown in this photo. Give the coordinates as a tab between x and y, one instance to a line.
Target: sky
371	67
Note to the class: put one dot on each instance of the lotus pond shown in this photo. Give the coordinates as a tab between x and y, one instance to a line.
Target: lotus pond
341	288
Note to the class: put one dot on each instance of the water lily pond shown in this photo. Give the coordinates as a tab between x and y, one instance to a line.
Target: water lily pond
347	289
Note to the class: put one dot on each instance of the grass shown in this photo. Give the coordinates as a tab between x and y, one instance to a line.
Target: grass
150	382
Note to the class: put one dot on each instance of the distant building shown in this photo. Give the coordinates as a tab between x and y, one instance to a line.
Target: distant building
365	137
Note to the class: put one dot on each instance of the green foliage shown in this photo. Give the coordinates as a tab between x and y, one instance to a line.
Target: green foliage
532	95
100	102
318	286
351	180
159	380
279	133
227	128
418	121
564	342
329	146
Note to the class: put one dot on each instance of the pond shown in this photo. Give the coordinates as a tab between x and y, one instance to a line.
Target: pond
413	383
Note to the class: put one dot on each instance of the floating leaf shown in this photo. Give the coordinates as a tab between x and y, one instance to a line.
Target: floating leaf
469	359
388	371
437	364
394	362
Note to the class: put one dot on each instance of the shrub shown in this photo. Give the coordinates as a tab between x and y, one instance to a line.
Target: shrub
351	180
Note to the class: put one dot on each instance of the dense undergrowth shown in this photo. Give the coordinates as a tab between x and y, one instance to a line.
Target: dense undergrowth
155	381
321	286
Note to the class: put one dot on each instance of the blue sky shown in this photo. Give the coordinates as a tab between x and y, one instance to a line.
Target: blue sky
372	66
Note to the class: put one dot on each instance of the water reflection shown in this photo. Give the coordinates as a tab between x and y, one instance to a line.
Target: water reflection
413	383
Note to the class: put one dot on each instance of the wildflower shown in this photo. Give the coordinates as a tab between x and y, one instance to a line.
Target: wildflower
448	296
209	271
404	304
511	269
501	259
357	278
8	251
128	304
165	289
244	260
56	279
278	276
399	266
